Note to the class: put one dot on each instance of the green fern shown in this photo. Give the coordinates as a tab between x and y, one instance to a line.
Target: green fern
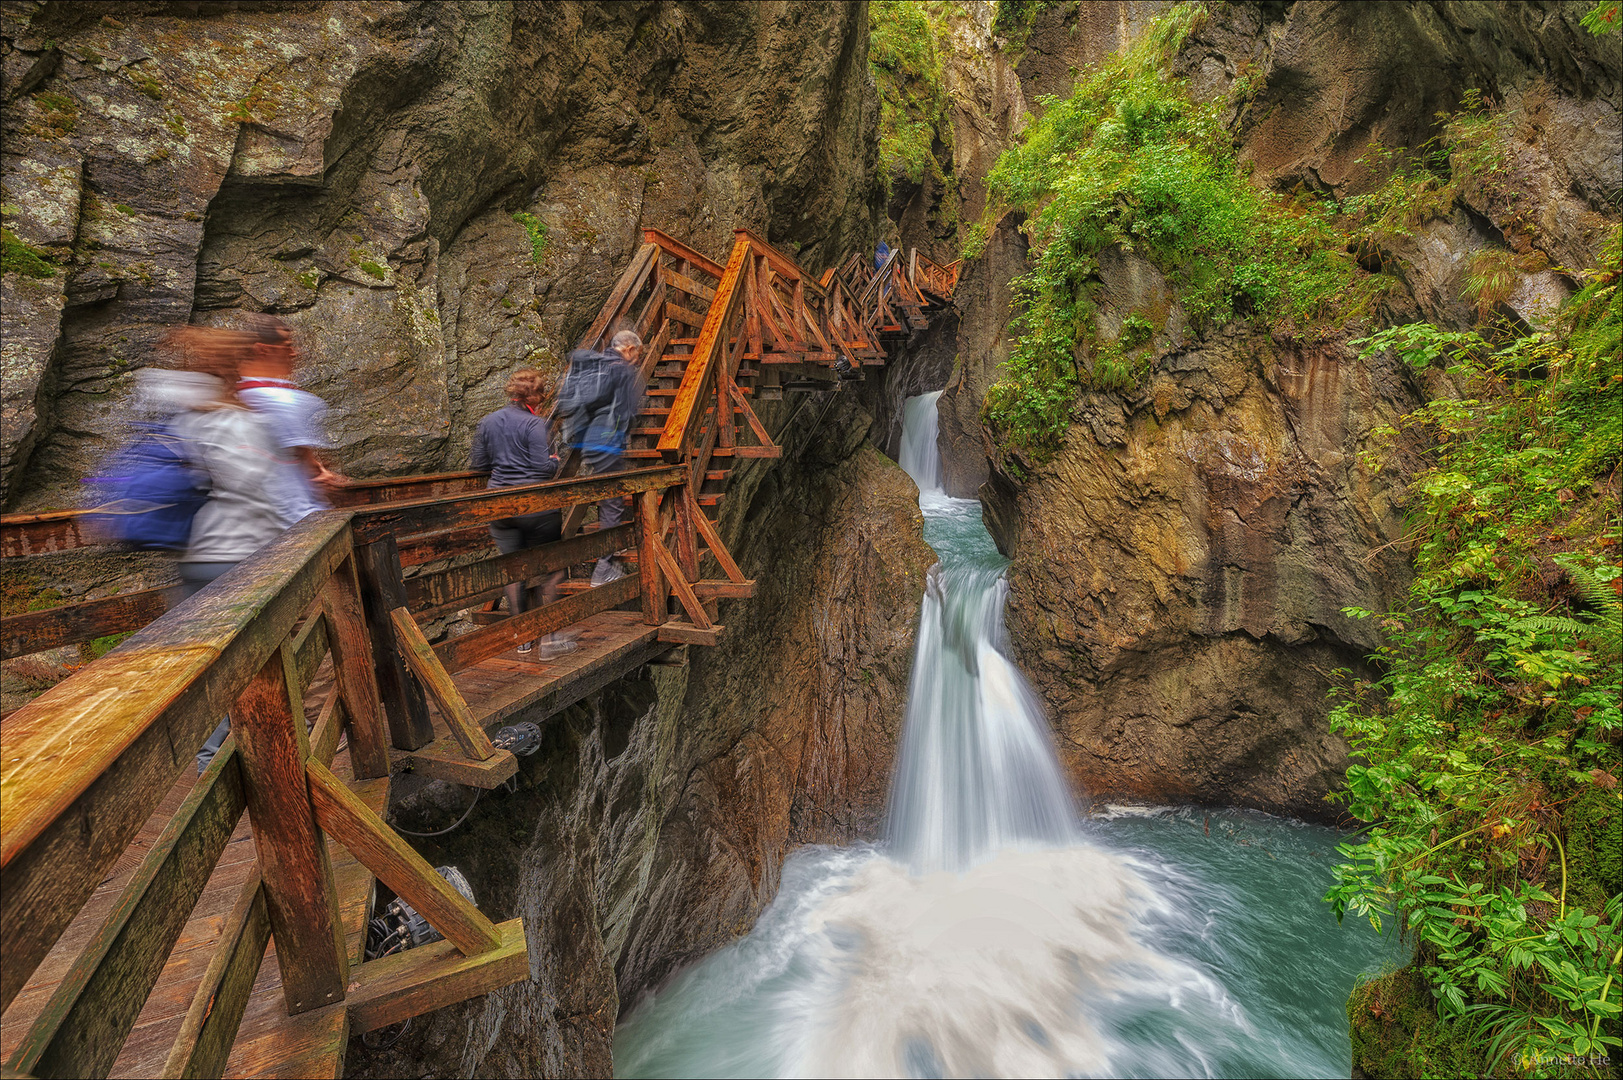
1605	627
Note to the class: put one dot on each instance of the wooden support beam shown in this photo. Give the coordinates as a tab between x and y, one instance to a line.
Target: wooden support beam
469	649
447	761
684	591
203	1043
689	286
393	988
383	589
83	1027
437	681
712	540
682	251
648	565
688	406
310	646
627	287
730	590
352	654
299	890
328	727
36	631
381	850
684	633
750	418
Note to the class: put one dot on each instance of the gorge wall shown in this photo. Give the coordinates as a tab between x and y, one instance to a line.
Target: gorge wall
1181	562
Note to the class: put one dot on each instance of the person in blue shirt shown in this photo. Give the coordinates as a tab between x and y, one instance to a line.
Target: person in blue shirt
514	444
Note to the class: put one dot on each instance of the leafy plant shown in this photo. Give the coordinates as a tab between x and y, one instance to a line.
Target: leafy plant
1487	755
906	68
536	229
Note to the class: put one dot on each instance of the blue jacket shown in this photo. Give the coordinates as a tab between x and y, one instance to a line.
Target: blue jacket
598	400
515	445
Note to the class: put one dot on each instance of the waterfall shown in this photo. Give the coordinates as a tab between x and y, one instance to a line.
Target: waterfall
990	934
976	772
921	459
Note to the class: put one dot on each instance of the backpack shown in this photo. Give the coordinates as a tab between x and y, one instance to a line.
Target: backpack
149	494
601	391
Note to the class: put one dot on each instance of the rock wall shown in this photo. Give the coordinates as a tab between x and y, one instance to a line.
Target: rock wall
1180	565
357	167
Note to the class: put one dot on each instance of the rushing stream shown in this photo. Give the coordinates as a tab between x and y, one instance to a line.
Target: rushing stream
998	932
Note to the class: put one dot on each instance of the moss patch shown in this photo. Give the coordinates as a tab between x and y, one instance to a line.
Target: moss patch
536	229
1396	1031
17	256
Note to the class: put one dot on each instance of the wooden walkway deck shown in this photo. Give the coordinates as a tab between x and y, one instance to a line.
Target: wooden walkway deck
268	1044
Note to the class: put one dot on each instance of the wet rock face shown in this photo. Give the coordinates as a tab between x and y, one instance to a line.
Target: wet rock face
1180	569
357	168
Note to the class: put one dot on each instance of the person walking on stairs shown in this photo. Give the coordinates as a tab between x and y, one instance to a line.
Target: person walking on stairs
514	444
597	402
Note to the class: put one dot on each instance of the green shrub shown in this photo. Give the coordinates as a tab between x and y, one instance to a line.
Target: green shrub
906	69
1487	757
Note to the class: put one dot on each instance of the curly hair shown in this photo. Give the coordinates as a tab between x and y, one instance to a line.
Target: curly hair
524	384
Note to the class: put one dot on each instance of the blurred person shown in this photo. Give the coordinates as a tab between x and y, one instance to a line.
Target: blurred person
296	418
514	444
233	446
598	399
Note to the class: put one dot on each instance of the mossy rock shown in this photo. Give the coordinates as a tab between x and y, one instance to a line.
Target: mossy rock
1396	1031
1594	828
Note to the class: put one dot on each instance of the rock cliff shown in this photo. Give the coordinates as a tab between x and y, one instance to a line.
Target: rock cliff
1180	564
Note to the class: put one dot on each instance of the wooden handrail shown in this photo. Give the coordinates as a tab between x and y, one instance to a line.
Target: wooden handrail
687	408
682	251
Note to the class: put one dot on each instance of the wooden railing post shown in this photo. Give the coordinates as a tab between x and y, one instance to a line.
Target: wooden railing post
648	563
383	590
299	892
353	665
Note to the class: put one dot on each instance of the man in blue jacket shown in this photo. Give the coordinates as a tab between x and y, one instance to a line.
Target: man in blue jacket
597	402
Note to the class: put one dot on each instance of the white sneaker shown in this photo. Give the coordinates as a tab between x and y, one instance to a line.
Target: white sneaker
525	646
555	646
606	573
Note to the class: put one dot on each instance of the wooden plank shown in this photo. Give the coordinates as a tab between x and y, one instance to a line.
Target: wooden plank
382	590
22	535
328	727
204	1041
392	988
88	760
683	633
687	406
729	590
689	286
353	667
682	251
310	648
648	566
293	861
36	631
83	1027
405	488
754	421
712	540
436	680
684	591
469	649
382	850
307	1047
442	761
612	644
433	547
678	313
444	591
651	311
481	508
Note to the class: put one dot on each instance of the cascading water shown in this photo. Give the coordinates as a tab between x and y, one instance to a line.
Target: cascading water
994	933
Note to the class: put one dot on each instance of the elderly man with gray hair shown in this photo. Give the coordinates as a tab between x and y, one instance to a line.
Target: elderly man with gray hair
597	402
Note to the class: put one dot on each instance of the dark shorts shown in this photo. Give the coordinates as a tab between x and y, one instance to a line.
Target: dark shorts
527	531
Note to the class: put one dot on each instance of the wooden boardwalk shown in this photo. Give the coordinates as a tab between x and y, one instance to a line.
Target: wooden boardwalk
153	923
